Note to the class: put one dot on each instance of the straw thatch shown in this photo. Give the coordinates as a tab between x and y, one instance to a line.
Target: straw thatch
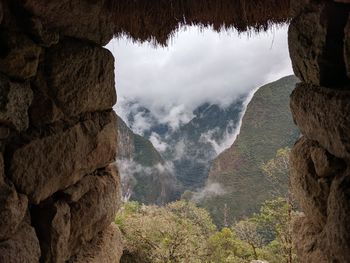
158	19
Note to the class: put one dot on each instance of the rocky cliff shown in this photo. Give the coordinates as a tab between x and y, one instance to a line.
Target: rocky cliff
266	127
146	177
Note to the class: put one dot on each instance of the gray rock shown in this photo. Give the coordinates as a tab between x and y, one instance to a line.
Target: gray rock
315	44
95	210
75	78
309	189
13	210
338	223
92	211
79	19
15	99
322	115
106	247
41	34
52	163
23	247
309	242
19	55
53	225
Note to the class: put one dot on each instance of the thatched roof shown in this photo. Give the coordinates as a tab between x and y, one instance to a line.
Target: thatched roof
157	20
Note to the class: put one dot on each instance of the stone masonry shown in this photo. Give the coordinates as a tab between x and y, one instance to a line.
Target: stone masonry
59	191
319	47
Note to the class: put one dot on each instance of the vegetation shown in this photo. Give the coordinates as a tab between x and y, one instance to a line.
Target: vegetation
267	126
182	232
146	178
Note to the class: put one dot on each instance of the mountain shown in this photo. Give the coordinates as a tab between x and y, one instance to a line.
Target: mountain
195	144
266	127
192	146
146	177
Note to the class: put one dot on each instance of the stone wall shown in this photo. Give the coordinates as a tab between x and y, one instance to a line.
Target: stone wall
59	191
319	41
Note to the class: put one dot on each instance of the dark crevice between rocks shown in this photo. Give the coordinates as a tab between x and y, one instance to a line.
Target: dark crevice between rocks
333	70
41	217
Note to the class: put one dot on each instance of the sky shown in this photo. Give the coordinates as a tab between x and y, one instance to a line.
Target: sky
198	66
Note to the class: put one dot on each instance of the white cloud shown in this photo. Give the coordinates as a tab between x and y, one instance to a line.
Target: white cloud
199	66
180	150
210	190
157	142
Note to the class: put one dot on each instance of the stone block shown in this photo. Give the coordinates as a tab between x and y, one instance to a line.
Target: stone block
23	247
310	190
54	162
309	242
76	78
322	114
53	225
96	209
316	43
13	210
19	55
67	225
106	247
15	99
84	19
338	223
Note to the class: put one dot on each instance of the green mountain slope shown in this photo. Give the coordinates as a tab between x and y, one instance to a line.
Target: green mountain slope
145	175
266	127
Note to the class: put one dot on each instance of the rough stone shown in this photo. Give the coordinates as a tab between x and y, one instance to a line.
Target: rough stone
326	165
309	241
75	78
53	225
322	114
310	190
23	247
41	34
93	211
19	55
13	206
44	109
52	163
315	43
79	19
107	247
4	132
12	212
15	99
338	223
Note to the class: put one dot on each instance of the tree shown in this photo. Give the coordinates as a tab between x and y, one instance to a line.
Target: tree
277	216
175	233
277	171
246	230
281	209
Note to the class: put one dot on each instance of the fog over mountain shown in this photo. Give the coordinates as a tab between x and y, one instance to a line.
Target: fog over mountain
198	66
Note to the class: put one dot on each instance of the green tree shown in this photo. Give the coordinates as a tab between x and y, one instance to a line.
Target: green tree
276	215
175	233
277	171
279	212
247	231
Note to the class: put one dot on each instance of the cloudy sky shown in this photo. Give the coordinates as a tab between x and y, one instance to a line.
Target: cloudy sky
198	66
